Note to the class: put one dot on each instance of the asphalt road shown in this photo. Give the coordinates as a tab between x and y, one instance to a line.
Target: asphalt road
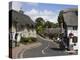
46	49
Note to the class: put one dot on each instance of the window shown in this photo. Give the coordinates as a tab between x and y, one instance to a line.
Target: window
76	12
74	27
75	39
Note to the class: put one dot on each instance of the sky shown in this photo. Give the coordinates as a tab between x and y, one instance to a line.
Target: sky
49	12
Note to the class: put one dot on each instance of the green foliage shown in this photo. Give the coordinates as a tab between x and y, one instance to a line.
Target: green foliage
39	24
28	40
40	20
49	24
60	18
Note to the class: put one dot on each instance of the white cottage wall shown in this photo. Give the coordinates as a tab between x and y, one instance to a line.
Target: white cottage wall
28	33
70	30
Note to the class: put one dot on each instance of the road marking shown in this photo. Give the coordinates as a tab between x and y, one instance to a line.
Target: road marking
24	49
43	51
21	55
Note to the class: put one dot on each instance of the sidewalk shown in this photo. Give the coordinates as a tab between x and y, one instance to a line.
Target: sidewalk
19	50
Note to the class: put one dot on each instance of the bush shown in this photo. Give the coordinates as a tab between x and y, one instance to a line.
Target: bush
28	40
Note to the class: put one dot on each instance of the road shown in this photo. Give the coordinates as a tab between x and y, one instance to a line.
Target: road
46	49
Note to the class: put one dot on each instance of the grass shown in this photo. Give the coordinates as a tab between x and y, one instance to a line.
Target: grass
28	40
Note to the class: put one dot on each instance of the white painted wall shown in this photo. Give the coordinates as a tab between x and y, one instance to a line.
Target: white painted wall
13	29
24	33
74	47
18	37
70	30
12	36
29	33
75	32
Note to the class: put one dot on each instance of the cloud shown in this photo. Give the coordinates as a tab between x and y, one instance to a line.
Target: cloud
45	14
32	4
32	12
15	5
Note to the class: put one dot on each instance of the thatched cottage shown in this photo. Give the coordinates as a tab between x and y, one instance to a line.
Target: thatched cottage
20	25
68	20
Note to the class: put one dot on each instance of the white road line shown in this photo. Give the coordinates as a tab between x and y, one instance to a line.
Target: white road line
21	55
22	52
43	51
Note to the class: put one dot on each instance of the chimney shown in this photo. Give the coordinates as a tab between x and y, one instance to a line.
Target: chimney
21	11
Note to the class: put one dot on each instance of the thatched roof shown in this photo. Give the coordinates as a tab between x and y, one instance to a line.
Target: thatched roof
71	17
20	18
70	10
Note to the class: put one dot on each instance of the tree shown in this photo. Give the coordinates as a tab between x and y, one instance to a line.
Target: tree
49	24
39	24
40	21
60	18
55	25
